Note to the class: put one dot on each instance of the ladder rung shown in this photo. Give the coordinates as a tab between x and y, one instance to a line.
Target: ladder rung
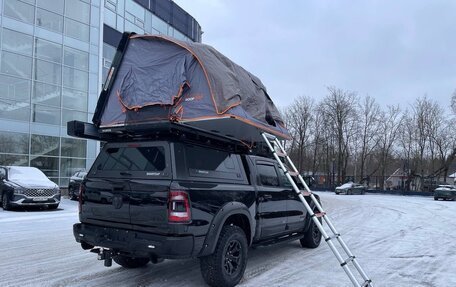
280	154
332	237
292	173
305	193
319	214
367	283
351	258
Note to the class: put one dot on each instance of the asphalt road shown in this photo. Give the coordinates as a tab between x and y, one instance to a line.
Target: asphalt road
400	241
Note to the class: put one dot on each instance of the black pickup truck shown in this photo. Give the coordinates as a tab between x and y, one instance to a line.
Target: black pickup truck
147	201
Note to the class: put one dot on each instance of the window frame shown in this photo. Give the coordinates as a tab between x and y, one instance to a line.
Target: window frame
166	173
183	171
267	163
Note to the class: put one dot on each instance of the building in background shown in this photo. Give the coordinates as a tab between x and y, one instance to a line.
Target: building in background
53	58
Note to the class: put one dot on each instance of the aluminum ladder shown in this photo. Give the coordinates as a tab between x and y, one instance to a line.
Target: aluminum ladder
273	142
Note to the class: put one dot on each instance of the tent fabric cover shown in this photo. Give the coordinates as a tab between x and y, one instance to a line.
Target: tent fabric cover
161	78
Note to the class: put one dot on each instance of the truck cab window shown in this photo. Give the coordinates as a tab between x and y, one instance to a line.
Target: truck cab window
268	175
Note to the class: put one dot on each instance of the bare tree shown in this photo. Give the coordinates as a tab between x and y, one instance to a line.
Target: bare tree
369	131
390	124
299	118
339	109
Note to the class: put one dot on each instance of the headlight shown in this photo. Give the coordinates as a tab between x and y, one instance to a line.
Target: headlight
57	190
19	190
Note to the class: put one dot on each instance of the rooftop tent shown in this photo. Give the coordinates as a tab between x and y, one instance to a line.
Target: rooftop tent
161	79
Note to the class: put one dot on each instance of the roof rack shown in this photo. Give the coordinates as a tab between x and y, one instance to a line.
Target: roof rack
165	130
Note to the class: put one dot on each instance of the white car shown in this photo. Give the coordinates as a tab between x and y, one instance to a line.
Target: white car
27	186
351	188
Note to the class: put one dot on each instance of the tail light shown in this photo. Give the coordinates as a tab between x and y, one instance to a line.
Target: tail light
81	193
178	207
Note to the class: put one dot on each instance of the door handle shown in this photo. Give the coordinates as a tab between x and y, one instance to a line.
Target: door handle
267	196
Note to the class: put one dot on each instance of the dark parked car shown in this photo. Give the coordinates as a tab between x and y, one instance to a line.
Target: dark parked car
148	200
445	192
27	186
351	188
75	183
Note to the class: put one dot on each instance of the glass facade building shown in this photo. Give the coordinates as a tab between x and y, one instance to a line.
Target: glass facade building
53	59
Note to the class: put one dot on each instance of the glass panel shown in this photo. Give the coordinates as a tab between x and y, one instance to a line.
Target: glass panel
48	51
51	5
77	10
130	27
76	58
46	94
14	110
179	36
31	2
16	65
45	145
69	115
46	115
14	88
132	159
71	165
17	42
120	23
135	9
73	99
110	18
9	159
111	4
64	181
19	10
76	79
74	147
14	143
108	52
49	20
48	165
48	72
268	175
77	30
159	25
210	163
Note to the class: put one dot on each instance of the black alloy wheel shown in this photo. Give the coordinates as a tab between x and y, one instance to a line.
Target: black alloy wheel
225	267
312	237
232	257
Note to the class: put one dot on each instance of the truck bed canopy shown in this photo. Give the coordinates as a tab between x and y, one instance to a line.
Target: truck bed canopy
162	79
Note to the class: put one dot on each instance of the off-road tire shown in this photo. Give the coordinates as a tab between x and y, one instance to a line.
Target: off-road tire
312	237
5	202
435	198
131	262
226	266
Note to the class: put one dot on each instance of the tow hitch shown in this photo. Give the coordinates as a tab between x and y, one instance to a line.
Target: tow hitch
104	254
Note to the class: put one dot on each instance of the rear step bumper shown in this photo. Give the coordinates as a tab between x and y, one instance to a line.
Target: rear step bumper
133	242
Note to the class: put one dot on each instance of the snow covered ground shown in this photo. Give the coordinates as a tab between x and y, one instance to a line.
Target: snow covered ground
399	241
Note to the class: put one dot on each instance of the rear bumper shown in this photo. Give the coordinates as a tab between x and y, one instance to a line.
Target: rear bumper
134	242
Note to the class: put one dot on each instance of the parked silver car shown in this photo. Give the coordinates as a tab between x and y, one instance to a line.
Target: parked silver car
351	188
27	186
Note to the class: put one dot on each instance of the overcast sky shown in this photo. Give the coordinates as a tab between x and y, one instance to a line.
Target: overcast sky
394	51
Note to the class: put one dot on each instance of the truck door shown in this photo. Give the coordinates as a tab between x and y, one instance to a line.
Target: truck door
296	212
271	200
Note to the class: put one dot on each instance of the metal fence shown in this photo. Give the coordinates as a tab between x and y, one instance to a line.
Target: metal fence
391	183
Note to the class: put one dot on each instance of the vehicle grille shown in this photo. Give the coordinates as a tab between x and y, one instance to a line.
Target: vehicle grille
39	192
